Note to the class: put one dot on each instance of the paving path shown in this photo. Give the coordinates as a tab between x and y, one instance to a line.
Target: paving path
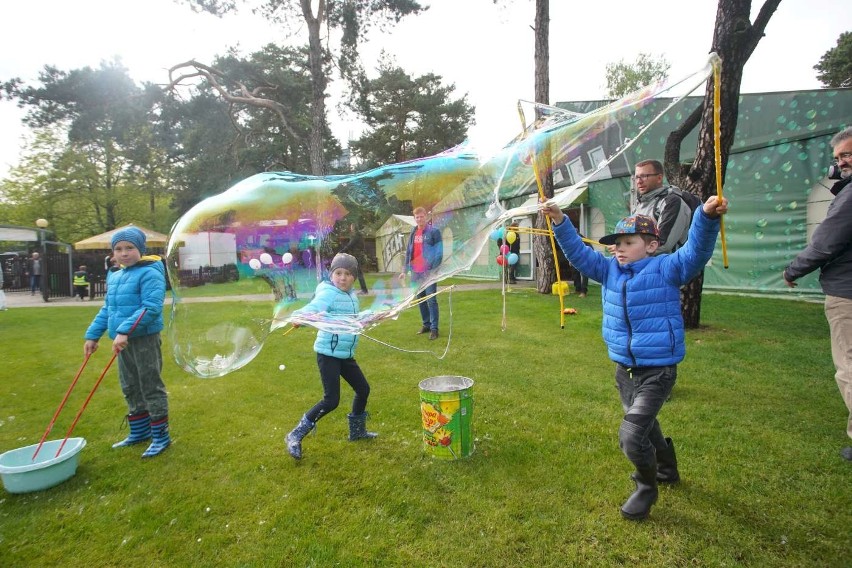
25	300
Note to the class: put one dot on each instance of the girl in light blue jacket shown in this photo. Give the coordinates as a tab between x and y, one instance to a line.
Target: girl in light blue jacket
335	355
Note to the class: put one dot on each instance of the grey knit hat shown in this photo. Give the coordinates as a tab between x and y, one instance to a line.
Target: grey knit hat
132	235
343	260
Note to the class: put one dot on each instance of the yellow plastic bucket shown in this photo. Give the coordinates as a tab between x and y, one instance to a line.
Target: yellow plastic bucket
446	407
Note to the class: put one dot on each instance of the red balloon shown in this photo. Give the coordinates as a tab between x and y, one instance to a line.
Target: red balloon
501	260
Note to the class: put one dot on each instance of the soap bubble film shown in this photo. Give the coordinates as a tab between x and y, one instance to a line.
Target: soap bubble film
268	240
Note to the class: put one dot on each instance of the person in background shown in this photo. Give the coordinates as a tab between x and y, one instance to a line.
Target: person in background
581	281
666	207
132	315
81	282
2	292
34	272
643	329
335	355
424	253
830	251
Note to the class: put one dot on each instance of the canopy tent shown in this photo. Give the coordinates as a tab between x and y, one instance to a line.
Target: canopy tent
391	240
19	234
104	240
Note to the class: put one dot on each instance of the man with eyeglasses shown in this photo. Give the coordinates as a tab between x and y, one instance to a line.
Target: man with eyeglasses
662	204
830	251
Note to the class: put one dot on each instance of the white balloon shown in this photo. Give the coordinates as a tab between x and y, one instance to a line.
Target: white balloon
254	263
266	258
286	258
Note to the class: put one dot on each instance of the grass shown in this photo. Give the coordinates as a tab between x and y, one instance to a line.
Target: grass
756	417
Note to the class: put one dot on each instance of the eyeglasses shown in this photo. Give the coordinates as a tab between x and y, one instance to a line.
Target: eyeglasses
643	177
845	156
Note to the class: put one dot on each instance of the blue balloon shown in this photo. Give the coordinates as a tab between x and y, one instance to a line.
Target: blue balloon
513	258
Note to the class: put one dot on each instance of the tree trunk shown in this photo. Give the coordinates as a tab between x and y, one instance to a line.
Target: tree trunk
318	85
545	263
734	40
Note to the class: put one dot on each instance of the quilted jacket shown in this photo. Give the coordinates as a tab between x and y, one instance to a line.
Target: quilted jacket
133	291
642	323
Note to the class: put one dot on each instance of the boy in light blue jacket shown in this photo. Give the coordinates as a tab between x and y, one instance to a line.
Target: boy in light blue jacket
132	315
335	355
643	329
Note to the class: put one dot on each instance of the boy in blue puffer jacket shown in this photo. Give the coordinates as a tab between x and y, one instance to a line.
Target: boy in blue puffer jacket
643	329
132	314
335	355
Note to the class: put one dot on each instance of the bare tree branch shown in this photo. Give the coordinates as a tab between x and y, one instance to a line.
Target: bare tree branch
246	97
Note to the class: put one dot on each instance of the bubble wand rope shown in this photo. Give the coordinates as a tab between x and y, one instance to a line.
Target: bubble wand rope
534	231
534	161
449	335
61	406
94	388
717	138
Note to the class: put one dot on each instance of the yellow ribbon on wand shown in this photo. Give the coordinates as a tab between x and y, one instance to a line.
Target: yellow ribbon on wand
546	232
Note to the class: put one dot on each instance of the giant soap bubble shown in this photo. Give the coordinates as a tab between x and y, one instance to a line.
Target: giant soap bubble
267	241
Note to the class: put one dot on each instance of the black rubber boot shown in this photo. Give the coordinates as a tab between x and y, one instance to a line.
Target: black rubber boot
358	427
667	464
638	505
294	438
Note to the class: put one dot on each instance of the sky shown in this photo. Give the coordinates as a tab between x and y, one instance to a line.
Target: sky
485	51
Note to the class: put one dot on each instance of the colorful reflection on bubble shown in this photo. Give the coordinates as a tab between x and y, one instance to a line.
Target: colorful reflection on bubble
267	241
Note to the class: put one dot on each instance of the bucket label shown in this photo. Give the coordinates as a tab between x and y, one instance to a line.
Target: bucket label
447	423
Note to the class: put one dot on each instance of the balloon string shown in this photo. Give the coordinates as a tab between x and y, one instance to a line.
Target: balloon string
717	142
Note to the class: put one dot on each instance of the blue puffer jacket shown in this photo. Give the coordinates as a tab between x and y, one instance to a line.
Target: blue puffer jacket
642	323
333	301
130	291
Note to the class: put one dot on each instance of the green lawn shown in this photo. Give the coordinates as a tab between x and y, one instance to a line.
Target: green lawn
756	417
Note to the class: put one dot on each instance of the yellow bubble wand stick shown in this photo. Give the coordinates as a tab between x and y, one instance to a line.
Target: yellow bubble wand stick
534	160
717	143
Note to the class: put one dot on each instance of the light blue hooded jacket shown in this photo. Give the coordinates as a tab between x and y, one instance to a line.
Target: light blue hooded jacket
332	301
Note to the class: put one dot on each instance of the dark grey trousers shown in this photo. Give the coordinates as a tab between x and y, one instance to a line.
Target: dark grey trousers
643	391
139	371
